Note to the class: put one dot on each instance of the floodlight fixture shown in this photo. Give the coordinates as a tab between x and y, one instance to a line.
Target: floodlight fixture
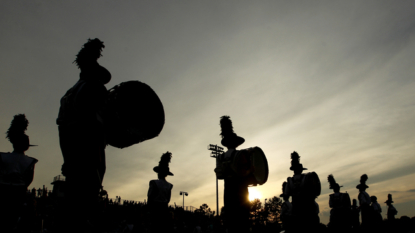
184	194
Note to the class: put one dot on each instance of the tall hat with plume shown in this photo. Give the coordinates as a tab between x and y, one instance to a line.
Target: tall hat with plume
229	138
333	183
163	167
16	133
86	60
363	180
389	199
295	162
284	185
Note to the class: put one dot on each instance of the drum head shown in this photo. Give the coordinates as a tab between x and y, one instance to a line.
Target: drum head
133	114
260	163
313	184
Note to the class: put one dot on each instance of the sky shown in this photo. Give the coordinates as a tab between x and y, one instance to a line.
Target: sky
332	80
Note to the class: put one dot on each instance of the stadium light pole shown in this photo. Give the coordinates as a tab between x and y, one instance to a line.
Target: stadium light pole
184	194
216	151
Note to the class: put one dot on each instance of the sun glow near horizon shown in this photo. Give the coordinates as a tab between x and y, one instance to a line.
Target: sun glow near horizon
254	194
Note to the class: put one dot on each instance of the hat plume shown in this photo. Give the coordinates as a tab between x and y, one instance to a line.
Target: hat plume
89	53
226	126
17	127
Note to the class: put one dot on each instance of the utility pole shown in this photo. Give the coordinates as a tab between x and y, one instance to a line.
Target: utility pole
216	151
184	194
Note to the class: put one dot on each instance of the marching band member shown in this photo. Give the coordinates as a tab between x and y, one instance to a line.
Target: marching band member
305	210
340	207
16	173
82	136
237	205
355	215
364	200
376	211
391	209
159	194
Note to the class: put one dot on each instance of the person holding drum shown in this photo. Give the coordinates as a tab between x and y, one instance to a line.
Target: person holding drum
82	137
340	208
304	189
159	194
237	205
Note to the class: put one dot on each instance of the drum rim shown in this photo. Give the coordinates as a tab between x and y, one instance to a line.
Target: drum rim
266	166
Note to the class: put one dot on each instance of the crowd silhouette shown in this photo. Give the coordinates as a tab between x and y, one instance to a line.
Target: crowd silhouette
83	136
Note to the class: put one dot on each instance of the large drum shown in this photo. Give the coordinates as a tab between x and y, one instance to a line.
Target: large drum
312	185
249	163
133	114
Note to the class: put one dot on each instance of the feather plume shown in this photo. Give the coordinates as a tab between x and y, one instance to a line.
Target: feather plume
89	53
363	178
226	126
17	127
295	156
331	179
165	159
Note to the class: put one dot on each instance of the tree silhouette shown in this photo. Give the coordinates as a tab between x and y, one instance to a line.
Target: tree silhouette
204	210
256	209
273	209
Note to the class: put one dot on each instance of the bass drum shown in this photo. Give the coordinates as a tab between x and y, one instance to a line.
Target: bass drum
133	114
312	185
252	164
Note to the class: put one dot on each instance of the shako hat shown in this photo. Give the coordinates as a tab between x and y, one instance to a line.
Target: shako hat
333	183
389	199
16	132
363	180
163	167
295	162
229	138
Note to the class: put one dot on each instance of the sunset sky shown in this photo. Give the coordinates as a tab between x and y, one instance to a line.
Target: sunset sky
332	80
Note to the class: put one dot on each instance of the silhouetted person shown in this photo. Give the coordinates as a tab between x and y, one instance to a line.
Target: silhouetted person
286	211
355	216
236	195
391	209
364	200
376	207
16	174
82	137
340	208
303	191
39	192
159	194
376	210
